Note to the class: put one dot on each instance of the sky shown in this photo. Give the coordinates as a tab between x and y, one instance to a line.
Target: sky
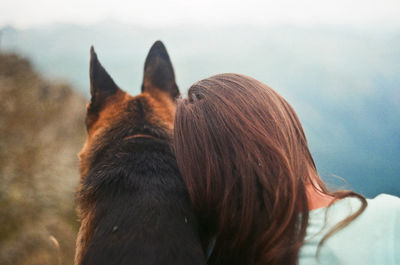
356	13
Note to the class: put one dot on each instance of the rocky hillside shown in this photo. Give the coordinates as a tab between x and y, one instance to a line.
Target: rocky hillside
41	132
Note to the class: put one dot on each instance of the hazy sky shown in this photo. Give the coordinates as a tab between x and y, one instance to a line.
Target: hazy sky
26	13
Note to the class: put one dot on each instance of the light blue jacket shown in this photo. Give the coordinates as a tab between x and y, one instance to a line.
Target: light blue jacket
371	239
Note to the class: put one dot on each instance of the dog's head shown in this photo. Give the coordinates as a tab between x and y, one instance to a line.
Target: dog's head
113	114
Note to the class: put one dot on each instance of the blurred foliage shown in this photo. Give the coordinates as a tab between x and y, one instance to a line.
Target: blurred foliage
41	131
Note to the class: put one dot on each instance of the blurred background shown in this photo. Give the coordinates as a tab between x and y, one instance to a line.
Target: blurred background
337	63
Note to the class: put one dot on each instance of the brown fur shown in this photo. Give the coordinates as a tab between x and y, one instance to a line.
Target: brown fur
162	105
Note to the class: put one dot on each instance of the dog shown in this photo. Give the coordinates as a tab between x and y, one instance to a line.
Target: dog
132	202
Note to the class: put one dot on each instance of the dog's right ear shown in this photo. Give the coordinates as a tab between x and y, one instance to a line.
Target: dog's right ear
158	72
101	84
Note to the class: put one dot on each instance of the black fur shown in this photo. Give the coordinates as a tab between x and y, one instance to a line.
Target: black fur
101	83
142	210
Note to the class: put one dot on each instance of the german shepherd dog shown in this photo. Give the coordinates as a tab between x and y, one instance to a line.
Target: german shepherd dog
132	202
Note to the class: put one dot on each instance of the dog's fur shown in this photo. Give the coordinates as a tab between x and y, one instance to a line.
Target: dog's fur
132	202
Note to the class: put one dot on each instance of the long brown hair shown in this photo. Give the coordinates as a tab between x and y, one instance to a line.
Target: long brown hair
245	160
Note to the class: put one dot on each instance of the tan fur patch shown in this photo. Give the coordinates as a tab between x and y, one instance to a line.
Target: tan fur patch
84	236
163	106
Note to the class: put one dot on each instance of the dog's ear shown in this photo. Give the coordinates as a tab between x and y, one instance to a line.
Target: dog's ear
101	84
158	72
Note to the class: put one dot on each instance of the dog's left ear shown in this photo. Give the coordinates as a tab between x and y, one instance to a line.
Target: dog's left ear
158	72
101	84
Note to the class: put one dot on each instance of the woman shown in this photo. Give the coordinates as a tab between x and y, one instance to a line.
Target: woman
244	157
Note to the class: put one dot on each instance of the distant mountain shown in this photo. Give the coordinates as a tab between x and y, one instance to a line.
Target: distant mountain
344	83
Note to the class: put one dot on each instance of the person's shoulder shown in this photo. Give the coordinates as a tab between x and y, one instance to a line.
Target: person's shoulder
371	238
383	213
394	200
376	232
385	203
386	208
